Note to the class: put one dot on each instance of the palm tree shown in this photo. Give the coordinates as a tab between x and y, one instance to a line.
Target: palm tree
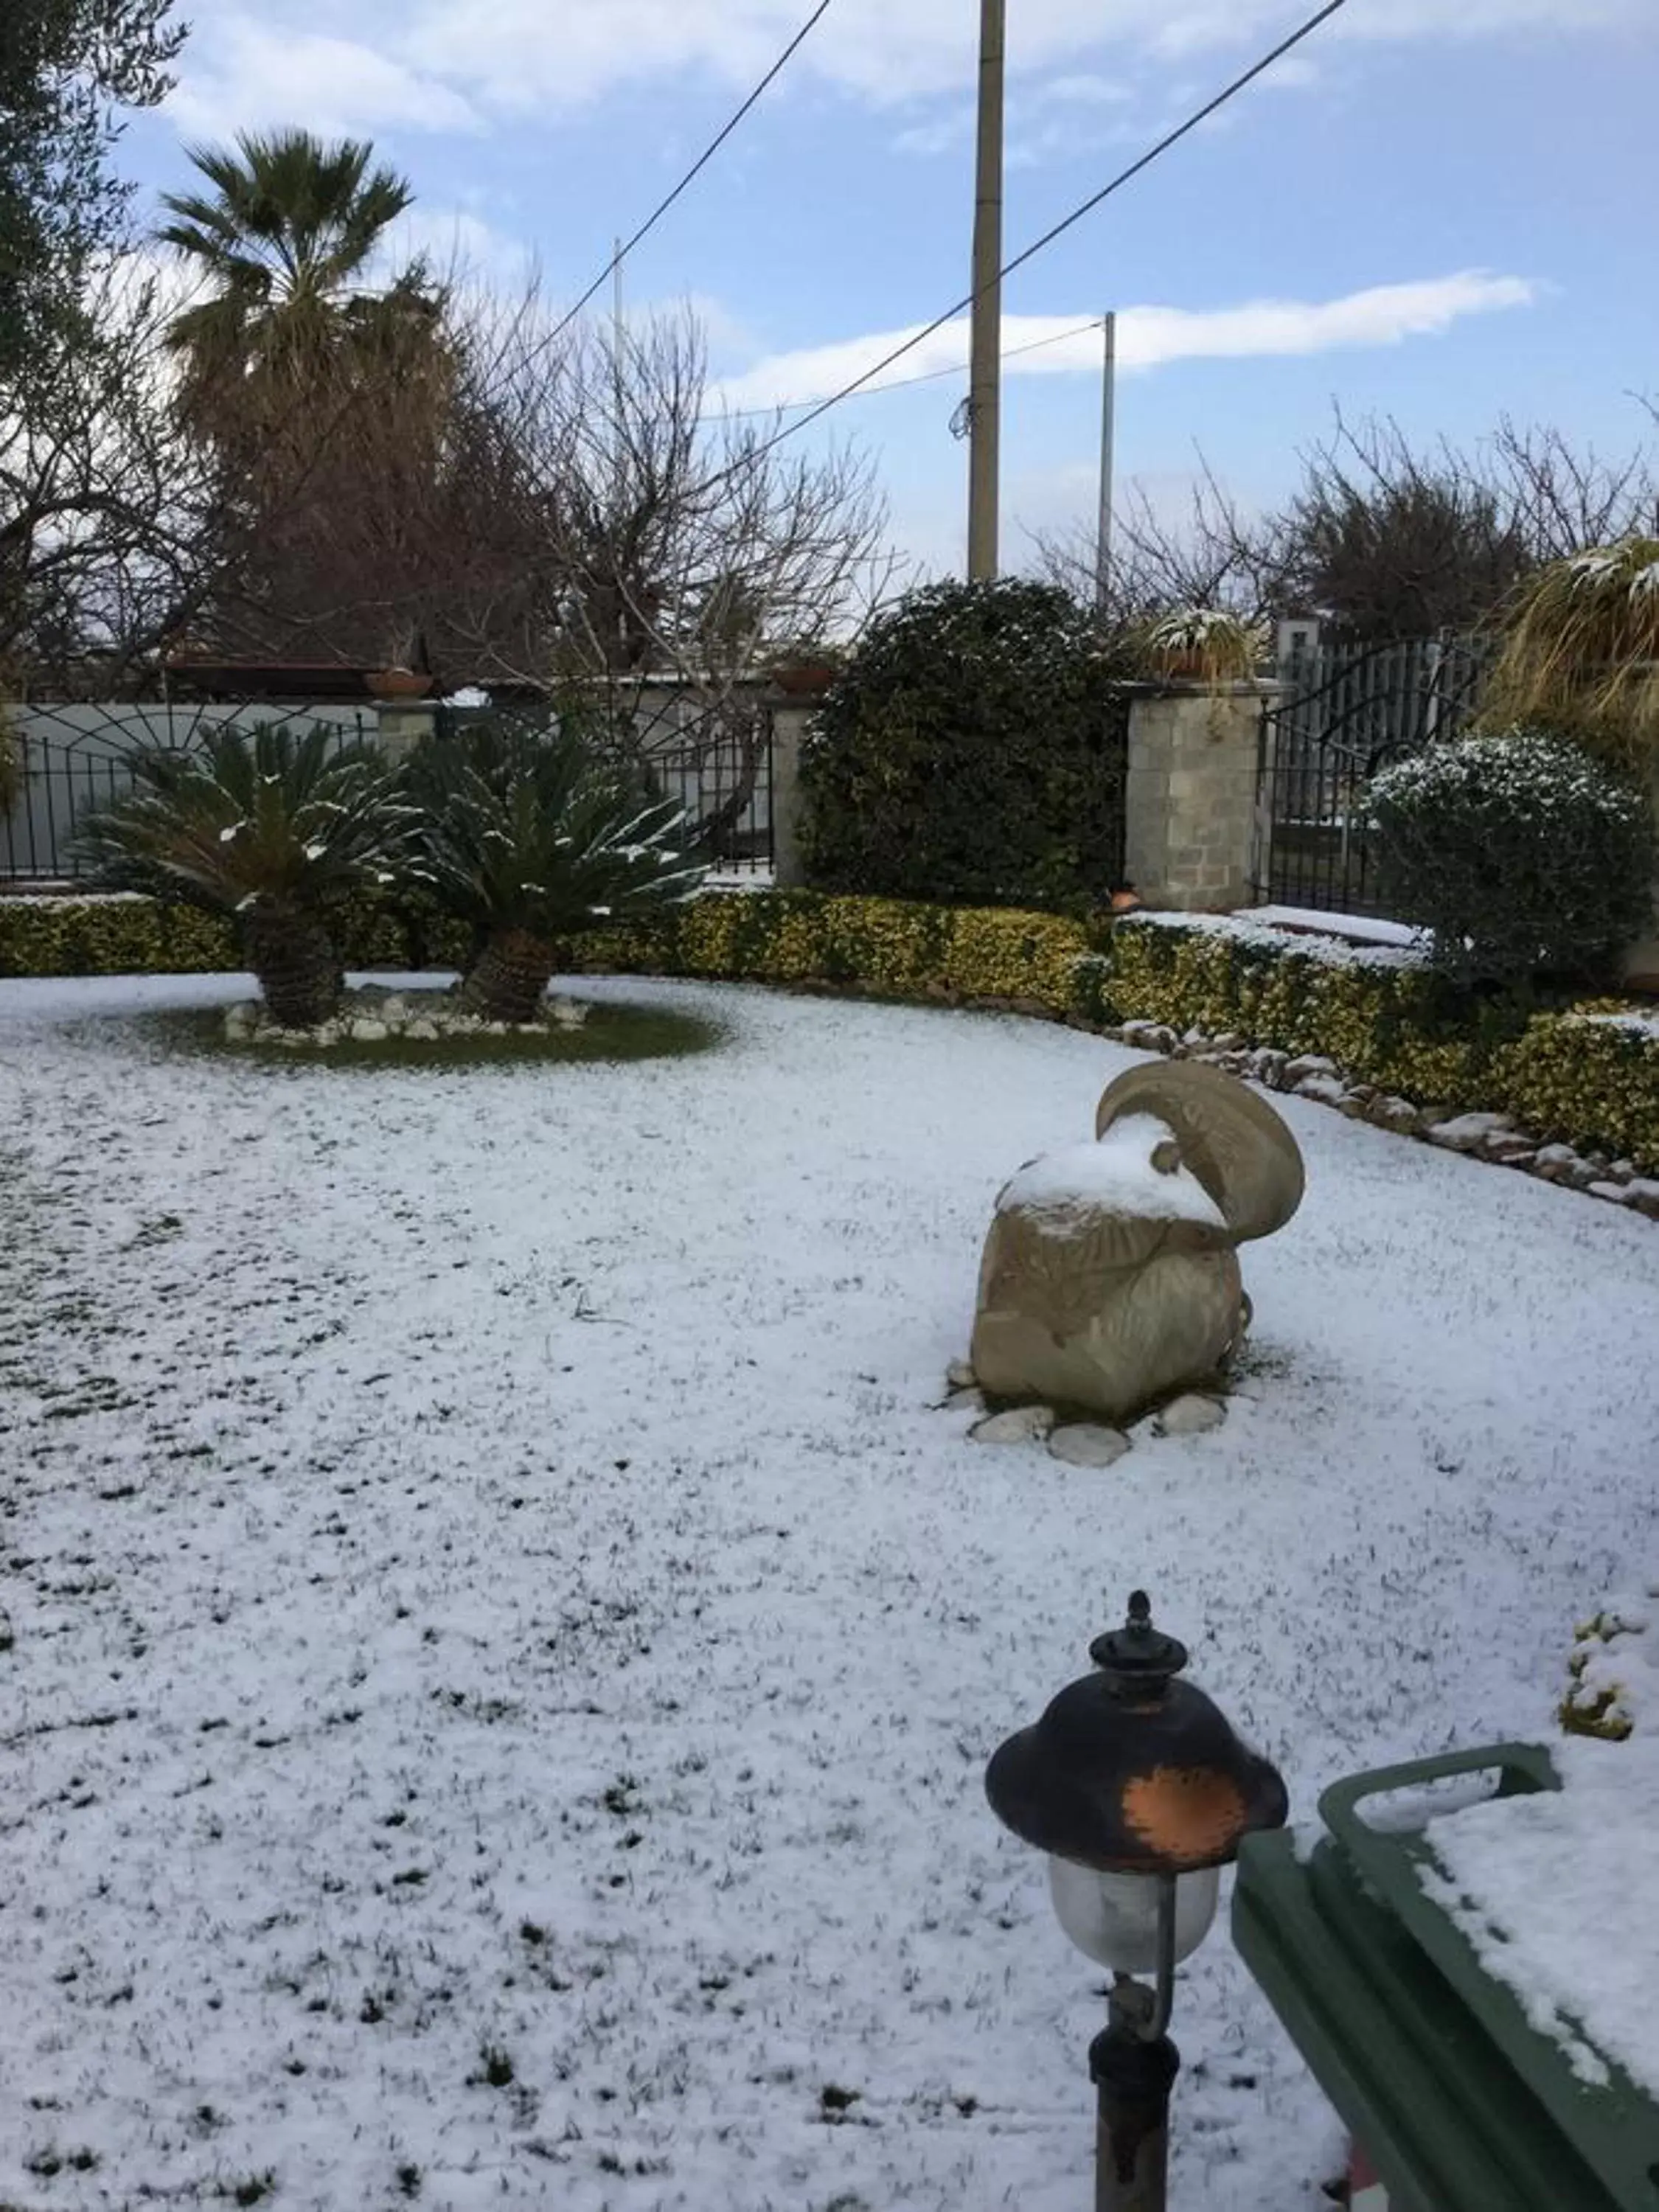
268	827
284	242
529	837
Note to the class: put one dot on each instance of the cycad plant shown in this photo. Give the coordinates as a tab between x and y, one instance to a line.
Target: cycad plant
270	826
1581	651
529	837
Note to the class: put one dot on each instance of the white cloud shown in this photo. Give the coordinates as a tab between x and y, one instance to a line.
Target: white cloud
943	135
1147	337
1083	89
436	64
241	74
457	241
1075	113
522	53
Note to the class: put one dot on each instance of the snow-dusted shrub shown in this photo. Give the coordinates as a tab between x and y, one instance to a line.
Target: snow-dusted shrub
884	948
272	827
1613	1670
1386	1019
89	935
971	751
1524	857
126	936
530	836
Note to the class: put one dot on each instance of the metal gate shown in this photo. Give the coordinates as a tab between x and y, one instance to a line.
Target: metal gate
718	764
1350	710
73	759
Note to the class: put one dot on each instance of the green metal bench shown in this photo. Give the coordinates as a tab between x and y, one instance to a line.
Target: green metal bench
1458	2103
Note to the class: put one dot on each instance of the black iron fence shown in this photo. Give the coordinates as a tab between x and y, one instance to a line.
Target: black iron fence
1349	711
72	760
718	764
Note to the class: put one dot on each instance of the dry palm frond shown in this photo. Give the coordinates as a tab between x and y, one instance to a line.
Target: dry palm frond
1580	653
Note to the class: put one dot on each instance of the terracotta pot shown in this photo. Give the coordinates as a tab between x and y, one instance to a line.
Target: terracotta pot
805	679
397	683
1181	663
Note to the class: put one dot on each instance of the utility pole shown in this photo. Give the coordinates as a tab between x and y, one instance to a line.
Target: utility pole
617	464
985	368
1108	410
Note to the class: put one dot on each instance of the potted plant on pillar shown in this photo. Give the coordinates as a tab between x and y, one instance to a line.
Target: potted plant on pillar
805	669
398	683
407	673
1204	645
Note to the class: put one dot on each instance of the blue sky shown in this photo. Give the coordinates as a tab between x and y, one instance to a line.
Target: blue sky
1438	210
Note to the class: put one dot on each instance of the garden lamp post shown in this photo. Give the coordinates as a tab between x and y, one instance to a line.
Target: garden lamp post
1138	1788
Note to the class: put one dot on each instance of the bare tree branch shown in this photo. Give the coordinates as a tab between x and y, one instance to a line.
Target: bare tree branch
1383	537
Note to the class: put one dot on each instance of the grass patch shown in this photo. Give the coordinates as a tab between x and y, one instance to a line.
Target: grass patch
610	1033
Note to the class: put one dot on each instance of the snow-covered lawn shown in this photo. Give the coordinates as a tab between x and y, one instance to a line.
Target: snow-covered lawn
504	1649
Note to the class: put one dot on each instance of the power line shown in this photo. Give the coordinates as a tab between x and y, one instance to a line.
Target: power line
903	383
696	170
1124	176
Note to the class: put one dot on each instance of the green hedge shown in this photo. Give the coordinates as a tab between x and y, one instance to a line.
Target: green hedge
970	753
124	936
1594	1084
887	947
111	937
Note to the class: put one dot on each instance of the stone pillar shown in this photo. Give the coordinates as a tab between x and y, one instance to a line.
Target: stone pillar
1190	796
789	723
404	724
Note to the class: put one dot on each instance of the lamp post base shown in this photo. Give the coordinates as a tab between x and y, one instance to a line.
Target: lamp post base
1133	2080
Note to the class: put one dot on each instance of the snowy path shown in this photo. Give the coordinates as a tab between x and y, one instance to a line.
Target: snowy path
489	1595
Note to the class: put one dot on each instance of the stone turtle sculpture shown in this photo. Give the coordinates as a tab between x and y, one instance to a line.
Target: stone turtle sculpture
1110	1276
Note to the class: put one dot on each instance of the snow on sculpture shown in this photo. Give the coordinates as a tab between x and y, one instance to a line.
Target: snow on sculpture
1110	1276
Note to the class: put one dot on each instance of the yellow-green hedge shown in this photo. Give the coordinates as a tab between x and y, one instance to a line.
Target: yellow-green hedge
1590	1084
111	937
106	936
1594	1084
890	948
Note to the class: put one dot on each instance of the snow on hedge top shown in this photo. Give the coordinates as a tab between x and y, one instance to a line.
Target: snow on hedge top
1115	1174
1357	928
1642	1026
1559	1893
1249	930
32	899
